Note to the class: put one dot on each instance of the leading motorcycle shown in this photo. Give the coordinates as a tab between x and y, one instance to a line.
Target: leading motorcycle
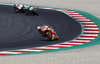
48	34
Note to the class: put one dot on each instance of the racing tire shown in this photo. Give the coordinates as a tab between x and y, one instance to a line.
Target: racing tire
49	36
56	38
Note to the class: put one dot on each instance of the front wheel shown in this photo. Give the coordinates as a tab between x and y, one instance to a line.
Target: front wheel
49	35
56	38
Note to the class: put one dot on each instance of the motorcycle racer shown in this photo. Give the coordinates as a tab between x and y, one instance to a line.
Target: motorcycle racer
29	10
43	30
19	7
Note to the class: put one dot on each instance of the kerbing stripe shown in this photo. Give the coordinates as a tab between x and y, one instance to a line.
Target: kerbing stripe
86	22
91	31
83	20
72	43
89	34
80	40
69	44
76	42
68	11
76	15
80	17
45	48
89	25
9	52
24	51
28	50
91	28
72	13
85	38
60	45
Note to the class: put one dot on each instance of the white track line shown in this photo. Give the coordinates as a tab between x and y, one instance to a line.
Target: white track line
89	35
28	50
72	13
60	45
45	48
91	31
80	17
8	52
89	25
80	40
84	38
75	15
86	22
90	28
71	43
83	20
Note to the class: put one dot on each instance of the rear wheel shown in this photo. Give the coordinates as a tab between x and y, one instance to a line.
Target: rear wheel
49	35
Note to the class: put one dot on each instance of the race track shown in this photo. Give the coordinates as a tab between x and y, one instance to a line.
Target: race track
19	31
88	55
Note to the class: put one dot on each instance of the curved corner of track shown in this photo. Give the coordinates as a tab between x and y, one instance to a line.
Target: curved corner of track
87	38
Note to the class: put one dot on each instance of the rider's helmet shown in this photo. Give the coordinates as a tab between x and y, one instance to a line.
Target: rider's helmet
15	5
31	8
39	27
46	26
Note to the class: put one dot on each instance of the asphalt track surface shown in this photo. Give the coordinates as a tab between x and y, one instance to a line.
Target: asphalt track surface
19	31
88	55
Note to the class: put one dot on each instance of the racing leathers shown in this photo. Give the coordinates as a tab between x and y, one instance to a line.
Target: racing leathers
19	7
44	30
